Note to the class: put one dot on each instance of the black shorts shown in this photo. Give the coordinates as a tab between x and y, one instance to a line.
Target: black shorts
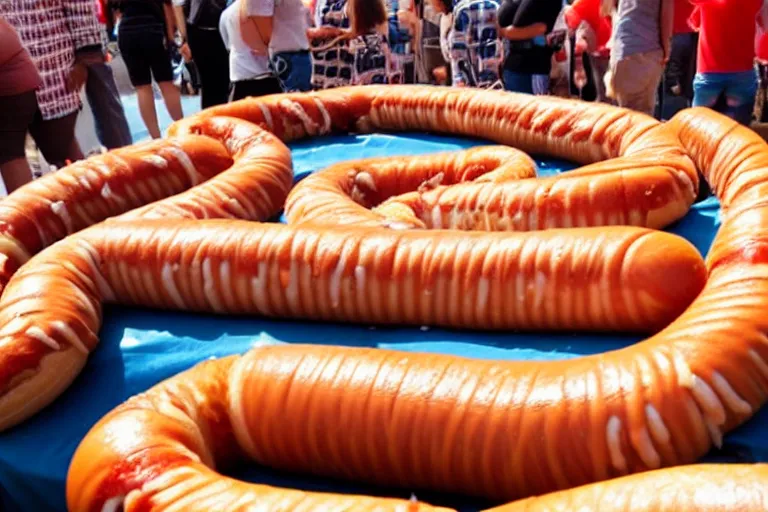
20	114
144	49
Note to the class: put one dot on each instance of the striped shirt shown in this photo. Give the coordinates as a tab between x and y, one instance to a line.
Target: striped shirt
51	31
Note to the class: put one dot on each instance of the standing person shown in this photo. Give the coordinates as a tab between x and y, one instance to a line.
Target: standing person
469	37
331	59
593	32
676	89
101	92
761	50
429	55
281	26
249	68
726	79
198	24
526	24
144	36
642	38
371	56
52	32
19	80
402	31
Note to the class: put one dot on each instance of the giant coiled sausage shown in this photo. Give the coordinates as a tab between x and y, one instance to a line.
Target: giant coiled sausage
623	435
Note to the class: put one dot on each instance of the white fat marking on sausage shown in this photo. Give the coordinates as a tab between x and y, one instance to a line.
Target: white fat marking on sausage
612	434
70	335
106	192
729	395
708	400
714	432
327	123
335	282
59	208
170	285
87	253
483	291
225	277
104	168
156	160
267	115
360	280
186	163
684	375
310	126
658	429
209	286
259	287
364	180
437	217
40	335
114	504
292	290
646	451
84	182
761	364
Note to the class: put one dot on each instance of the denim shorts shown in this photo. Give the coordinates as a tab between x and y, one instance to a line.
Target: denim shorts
732	94
294	70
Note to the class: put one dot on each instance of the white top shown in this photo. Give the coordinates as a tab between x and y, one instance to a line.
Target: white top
243	63
289	23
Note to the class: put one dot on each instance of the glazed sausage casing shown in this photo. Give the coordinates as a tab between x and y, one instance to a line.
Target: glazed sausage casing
662	402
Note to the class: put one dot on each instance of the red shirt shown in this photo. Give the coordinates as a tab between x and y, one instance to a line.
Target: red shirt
683	10
589	11
18	73
726	35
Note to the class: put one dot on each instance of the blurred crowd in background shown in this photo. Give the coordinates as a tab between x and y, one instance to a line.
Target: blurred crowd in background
654	56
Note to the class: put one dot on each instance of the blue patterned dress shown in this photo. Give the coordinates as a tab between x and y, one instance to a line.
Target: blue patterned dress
332	67
474	45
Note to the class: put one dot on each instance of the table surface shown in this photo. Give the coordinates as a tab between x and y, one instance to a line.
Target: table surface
143	347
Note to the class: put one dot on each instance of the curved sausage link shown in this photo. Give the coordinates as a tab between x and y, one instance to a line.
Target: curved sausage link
155	174
535	427
344	193
703	487
87	192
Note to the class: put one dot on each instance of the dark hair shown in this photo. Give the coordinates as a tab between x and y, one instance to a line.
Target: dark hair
447	5
366	14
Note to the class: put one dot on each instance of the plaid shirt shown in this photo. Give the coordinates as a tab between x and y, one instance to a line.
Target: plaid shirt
51	31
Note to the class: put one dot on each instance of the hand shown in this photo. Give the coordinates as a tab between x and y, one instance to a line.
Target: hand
327	32
185	52
407	18
580	47
76	77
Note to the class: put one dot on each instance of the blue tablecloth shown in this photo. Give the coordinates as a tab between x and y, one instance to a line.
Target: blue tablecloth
140	348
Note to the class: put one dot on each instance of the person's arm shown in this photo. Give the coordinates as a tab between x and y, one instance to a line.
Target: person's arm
523	33
83	24
181	25
170	21
524	24
667	26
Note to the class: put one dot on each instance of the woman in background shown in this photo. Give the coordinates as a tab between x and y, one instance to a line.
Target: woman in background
249	68
145	35
368	44
469	38
331	59
19	79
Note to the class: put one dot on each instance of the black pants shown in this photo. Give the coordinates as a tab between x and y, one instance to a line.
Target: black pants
260	87
676	87
212	60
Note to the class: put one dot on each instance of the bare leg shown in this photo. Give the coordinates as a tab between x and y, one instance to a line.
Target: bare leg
172	99
147	109
16	173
